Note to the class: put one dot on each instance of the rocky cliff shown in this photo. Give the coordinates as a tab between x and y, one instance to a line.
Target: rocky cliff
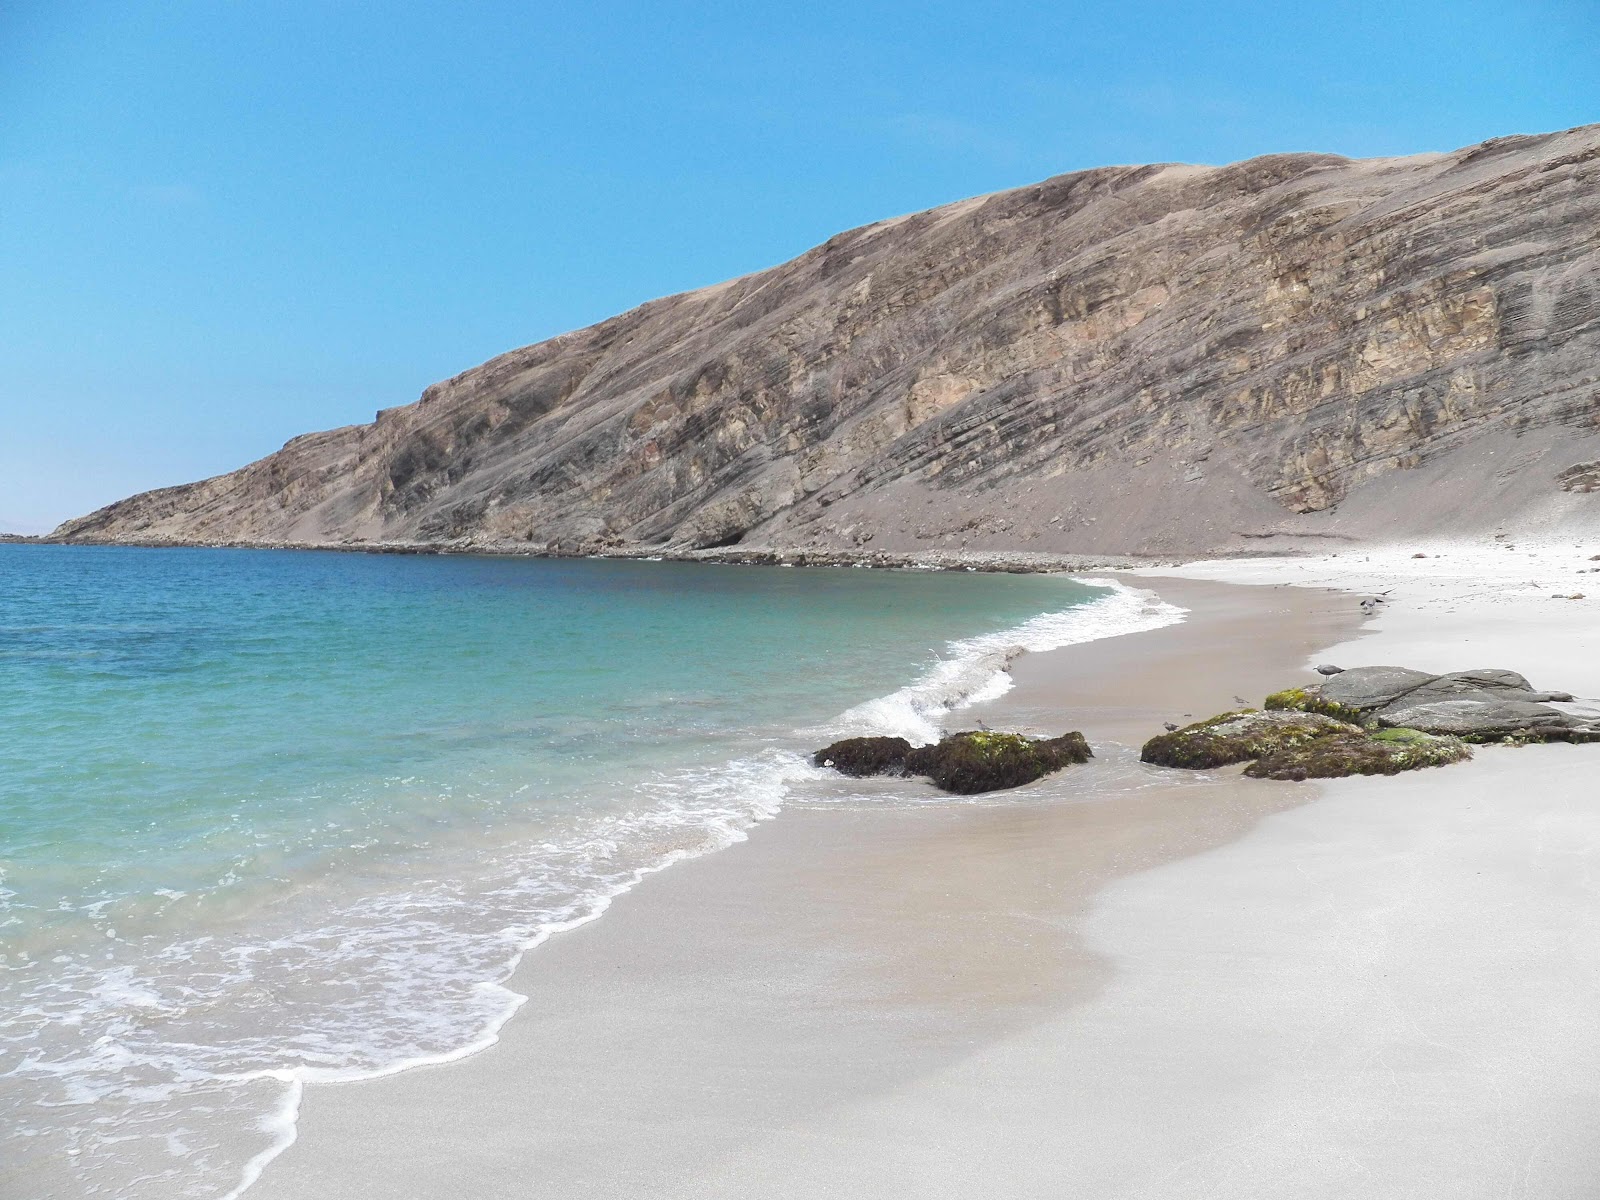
1157	358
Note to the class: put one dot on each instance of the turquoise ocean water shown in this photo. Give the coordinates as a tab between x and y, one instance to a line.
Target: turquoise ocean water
270	817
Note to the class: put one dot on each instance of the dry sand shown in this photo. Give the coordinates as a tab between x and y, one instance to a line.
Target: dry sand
1528	603
1122	982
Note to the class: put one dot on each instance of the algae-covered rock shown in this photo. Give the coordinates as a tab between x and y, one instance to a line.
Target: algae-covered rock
1386	752
1381	720
1287	743
863	756
1311	700
979	760
985	761
1236	737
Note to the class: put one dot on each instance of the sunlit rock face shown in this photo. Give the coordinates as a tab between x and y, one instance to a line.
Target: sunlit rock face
1154	358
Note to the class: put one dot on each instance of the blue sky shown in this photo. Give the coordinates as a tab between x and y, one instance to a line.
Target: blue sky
223	224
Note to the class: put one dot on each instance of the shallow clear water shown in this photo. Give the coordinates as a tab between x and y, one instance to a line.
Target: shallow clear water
276	816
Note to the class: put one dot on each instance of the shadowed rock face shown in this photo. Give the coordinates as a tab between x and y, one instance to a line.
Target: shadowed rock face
864	756
1159	358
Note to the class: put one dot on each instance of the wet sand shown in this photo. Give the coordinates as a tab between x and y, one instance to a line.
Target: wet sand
720	1022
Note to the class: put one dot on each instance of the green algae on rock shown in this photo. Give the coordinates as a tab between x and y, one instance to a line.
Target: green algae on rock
1235	737
1287	743
1386	752
1299	699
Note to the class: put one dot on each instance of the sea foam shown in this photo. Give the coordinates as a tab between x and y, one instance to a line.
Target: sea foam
977	670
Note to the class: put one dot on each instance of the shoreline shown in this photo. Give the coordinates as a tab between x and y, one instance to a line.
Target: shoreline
1004	561
281	1087
285	1126
811	839
804	1014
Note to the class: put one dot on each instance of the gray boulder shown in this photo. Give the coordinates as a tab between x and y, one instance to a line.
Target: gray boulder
1368	688
1469	717
1482	704
1503	685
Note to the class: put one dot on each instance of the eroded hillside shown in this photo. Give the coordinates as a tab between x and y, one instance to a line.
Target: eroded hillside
1158	358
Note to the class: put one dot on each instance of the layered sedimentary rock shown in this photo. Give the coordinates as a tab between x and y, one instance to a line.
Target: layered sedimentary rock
1153	358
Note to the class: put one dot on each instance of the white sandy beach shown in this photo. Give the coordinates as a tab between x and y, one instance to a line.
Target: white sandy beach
1123	982
1486	600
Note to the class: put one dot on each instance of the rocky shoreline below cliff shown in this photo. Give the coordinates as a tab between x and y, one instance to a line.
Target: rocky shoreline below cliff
1002	561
